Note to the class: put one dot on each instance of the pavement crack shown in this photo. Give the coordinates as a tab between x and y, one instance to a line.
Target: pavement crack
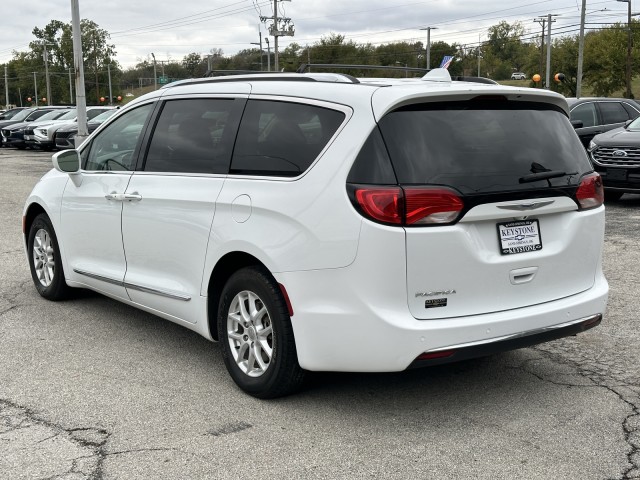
630	424
90	441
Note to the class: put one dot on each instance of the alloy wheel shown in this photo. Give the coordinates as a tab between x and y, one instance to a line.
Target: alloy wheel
250	333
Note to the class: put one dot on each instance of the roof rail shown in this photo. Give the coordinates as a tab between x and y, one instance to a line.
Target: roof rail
221	76
462	78
336	66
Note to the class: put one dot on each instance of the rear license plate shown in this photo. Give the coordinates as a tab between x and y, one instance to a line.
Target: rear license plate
619	174
518	237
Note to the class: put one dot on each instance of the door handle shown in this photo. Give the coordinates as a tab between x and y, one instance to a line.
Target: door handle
124	197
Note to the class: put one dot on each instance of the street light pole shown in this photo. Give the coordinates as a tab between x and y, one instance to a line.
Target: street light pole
428	29
628	93
261	52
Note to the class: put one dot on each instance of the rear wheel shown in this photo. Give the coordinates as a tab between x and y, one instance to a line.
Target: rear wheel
256	336
610	196
44	260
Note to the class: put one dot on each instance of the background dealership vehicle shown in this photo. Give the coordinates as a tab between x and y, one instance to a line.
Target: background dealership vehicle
591	116
65	136
14	135
28	115
616	157
8	114
518	76
43	136
320	222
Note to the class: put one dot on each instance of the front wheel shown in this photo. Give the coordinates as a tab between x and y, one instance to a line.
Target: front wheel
44	260
256	336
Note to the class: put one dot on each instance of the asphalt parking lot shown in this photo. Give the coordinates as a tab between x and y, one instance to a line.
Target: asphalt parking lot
93	389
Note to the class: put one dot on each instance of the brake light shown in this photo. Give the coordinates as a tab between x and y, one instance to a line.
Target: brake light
409	206
590	193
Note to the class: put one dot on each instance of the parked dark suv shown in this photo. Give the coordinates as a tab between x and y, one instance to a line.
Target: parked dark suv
591	116
615	155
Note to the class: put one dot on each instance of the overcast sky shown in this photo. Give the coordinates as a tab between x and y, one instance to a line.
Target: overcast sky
172	29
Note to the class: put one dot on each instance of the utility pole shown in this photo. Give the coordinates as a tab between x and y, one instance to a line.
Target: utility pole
275	33
70	88
95	57
628	93
46	72
581	50
479	45
428	29
155	74
268	55
6	88
35	86
110	92
548	73
543	22
287	30
81	99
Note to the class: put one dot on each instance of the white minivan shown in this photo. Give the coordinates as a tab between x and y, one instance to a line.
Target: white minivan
319	222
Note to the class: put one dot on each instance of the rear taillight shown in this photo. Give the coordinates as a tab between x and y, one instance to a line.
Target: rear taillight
384	204
410	206
590	193
431	206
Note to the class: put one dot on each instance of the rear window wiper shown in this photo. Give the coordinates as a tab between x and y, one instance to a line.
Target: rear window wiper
534	177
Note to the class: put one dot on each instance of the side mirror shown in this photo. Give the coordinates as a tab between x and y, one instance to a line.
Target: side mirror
577	123
67	161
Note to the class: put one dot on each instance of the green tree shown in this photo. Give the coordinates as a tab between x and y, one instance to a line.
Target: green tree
193	65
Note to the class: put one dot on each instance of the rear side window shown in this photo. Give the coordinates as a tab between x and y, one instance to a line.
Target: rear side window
613	112
481	147
282	138
194	136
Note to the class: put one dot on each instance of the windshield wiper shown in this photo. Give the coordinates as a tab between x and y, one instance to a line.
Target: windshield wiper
534	177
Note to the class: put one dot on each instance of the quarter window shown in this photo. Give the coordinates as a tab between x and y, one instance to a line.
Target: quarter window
194	136
613	112
282	138
115	146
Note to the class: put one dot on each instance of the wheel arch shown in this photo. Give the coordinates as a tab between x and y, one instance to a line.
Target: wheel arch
225	267
29	216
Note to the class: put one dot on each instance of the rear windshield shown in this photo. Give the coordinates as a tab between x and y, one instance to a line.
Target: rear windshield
483	146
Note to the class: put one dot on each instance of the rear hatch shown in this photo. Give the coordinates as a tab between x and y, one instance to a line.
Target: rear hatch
493	193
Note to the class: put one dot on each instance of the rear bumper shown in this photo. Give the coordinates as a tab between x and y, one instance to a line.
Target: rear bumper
456	353
338	328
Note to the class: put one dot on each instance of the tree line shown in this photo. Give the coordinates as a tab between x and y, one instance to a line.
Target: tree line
507	49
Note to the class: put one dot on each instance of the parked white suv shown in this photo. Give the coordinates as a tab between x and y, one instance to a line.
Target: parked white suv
518	76
318	222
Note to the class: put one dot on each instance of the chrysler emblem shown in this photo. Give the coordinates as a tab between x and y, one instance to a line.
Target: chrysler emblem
619	153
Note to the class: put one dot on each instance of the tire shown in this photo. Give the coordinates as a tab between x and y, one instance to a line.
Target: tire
259	350
45	262
610	196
